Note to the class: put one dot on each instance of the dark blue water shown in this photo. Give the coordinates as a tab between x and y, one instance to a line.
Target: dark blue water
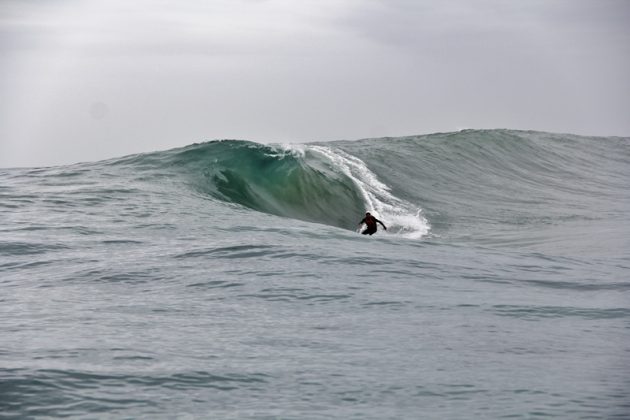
227	280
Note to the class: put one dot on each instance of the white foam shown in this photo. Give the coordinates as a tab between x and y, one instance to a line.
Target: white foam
401	217
282	150
296	150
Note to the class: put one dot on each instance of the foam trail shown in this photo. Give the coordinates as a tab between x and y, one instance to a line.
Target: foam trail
402	218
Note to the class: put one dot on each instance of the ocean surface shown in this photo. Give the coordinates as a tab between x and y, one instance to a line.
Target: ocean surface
227	280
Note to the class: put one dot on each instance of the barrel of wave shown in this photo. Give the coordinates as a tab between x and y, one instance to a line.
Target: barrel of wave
279	180
401	217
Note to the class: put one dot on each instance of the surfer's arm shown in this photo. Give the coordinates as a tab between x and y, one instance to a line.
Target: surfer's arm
384	227
361	222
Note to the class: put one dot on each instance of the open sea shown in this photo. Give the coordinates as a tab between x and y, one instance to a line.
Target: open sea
227	280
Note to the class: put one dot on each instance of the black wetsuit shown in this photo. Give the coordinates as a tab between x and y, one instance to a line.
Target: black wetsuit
370	223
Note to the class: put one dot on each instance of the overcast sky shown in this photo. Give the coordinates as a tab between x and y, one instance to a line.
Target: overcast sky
87	80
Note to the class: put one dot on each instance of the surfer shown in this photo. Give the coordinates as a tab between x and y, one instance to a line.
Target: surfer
370	224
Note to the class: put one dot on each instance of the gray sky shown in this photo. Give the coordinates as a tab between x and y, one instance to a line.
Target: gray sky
87	80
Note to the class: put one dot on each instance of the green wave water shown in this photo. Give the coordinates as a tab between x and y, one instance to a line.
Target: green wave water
314	183
285	182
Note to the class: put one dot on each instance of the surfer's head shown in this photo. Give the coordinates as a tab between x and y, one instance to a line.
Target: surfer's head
367	213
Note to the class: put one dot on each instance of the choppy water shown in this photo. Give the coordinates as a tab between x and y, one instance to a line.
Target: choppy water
226	280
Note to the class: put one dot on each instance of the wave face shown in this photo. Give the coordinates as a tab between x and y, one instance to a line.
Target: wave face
287	182
314	183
